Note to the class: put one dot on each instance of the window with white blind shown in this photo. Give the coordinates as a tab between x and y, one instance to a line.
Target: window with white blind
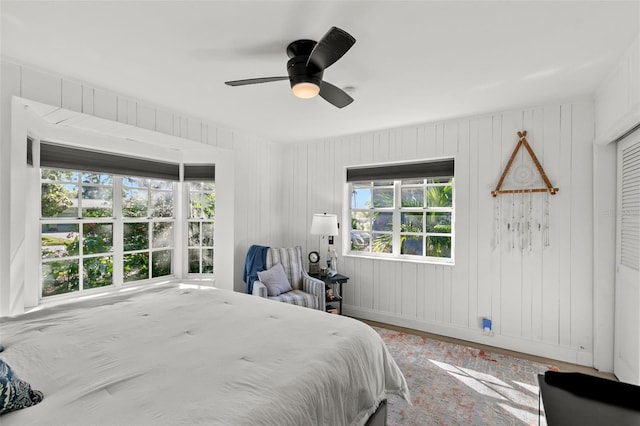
403	210
108	220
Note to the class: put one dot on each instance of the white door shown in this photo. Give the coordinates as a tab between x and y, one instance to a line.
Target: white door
627	291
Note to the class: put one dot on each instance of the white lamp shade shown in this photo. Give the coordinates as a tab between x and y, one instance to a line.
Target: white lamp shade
324	224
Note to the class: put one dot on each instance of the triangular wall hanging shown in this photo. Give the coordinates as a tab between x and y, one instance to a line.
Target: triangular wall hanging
525	214
523	176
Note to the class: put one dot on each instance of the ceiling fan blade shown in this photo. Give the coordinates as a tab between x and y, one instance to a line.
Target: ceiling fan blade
254	81
334	95
331	47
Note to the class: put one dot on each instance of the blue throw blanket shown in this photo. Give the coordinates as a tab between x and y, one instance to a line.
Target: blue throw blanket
254	263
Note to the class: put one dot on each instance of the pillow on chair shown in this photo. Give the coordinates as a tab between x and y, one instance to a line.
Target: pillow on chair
275	280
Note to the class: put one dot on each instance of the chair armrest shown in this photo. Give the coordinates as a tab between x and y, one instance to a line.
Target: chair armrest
316	287
259	289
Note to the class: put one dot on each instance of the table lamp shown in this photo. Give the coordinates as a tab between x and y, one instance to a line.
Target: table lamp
326	224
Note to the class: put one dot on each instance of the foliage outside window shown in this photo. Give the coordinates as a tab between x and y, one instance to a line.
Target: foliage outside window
402	218
200	227
76	231
79	221
147	210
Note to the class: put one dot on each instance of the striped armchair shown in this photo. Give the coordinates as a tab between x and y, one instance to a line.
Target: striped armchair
307	291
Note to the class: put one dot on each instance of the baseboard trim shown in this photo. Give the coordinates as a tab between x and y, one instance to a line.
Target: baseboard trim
532	347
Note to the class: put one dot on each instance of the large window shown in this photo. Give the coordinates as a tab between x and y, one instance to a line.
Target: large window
110	219
82	227
402	210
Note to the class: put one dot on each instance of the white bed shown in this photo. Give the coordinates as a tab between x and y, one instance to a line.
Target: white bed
183	355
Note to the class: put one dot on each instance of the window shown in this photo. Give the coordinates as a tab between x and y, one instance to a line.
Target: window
147	210
402	210
76	231
200	223
78	228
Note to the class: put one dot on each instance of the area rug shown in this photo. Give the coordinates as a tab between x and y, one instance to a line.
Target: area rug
454	384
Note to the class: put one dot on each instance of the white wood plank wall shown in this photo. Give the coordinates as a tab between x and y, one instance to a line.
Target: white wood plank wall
541	300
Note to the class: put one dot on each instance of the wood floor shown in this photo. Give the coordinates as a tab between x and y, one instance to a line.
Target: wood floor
564	366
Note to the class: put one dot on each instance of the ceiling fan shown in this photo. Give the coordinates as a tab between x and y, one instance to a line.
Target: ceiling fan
308	60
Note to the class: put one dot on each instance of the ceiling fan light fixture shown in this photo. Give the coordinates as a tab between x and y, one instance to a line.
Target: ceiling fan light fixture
305	90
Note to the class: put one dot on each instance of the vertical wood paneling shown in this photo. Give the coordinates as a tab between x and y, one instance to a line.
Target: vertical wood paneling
212	134
122	110
461	284
528	293
511	266
376	148
385	279
132	112
145	116
87	99
438	298
496	259
41	86
409	143
551	255
105	105
194	130
71	95
364	288
223	136
164	122
563	238
533	265
482	247
420	292
450	148
581	224
528	262
177	125
408	274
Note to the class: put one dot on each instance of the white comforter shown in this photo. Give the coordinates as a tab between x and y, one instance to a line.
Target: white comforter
176	355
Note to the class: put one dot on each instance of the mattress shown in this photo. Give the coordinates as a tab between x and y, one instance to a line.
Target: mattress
177	354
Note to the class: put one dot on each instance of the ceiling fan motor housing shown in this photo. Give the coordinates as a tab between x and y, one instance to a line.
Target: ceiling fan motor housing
299	73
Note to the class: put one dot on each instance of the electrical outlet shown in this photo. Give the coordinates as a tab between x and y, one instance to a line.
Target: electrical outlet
487	327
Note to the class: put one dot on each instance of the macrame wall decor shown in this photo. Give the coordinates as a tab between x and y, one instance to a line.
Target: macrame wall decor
525	213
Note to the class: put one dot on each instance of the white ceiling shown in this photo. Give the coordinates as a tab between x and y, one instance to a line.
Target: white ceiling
413	61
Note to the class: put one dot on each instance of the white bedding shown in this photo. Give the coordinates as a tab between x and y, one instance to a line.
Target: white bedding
176	355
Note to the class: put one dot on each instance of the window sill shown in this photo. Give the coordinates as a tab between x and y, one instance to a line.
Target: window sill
431	261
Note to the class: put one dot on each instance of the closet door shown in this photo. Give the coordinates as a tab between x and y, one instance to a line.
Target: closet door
627	302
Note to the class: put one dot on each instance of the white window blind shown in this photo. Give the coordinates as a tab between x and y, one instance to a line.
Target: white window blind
630	208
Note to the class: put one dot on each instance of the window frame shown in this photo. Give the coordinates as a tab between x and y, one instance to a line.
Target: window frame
117	220
397	210
200	220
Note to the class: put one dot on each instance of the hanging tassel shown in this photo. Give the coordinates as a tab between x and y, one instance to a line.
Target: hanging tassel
547	237
529	223
513	221
496	222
